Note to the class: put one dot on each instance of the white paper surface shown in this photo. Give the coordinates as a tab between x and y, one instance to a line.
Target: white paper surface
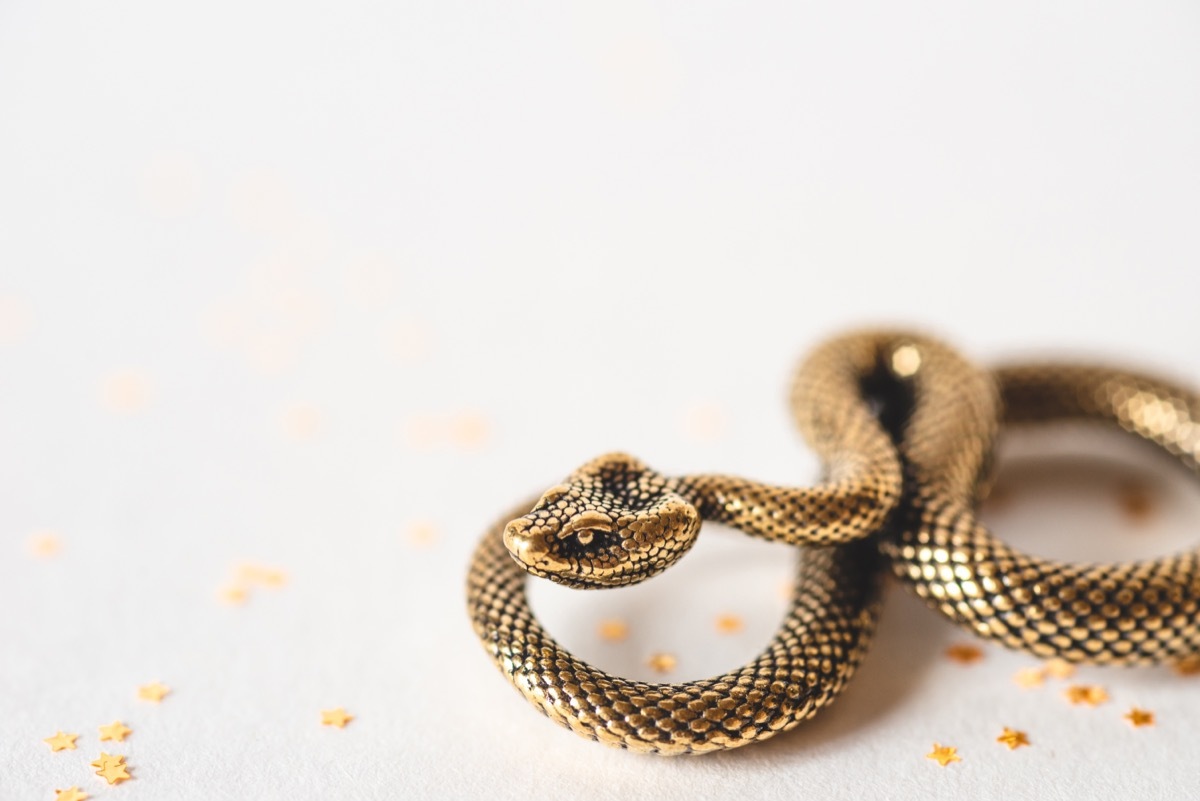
286	283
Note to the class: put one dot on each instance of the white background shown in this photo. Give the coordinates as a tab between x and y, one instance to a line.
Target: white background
281	282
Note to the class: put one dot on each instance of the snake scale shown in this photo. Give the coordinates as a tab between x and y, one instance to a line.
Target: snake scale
905	429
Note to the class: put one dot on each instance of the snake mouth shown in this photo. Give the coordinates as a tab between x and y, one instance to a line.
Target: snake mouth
532	549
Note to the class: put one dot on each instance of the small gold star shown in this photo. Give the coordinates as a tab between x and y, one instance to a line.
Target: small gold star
1030	677
111	768
1090	694
728	624
70	794
1060	669
943	754
422	534
964	654
44	545
613	630
335	717
60	741
1013	739
1139	717
116	730
155	691
661	662
1188	666
258	574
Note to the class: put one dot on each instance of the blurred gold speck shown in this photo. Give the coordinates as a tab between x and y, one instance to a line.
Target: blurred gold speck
301	422
235	596
44	544
661	662
728	624
964	654
421	534
127	391
1059	669
613	630
407	341
470	430
1137	503
906	360
704	422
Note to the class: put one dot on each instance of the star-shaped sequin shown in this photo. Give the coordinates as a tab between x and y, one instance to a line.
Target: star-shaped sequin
661	662
1090	694
1139	717
335	717
70	794
728	624
111	768
60	741
613	630
116	731
943	754
155	691
1013	739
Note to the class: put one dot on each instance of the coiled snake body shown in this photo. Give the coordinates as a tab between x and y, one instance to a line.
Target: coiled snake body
905	429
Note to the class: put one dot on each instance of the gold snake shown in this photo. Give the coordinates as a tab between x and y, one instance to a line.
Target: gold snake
905	429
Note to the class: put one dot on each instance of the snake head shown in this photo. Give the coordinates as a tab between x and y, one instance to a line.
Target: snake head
612	522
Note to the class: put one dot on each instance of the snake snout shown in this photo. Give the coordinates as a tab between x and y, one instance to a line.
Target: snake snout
528	544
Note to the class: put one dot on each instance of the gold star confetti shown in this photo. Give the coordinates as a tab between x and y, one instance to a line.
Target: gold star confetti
111	768
70	794
1060	669
1139	717
155	691
44	544
964	654
728	624
1090	694
943	754
1030	677
335	717
126	391
60	741
263	576
1188	666
661	662
613	630
116	731
1013	739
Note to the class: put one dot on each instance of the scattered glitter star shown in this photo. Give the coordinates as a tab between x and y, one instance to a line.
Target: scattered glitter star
44	544
1030	677
1060	669
1188	666
1139	717
728	624
335	717
1089	694
1013	739
70	794
964	654
111	768
661	663
155	691
116	730
613	630
943	754
60	741
258	574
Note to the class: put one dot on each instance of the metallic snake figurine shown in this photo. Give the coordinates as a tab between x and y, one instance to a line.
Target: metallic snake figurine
905	429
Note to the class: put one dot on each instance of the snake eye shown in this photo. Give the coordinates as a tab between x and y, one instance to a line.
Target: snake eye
585	536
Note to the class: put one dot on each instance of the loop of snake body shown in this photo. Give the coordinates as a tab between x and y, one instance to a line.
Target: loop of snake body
905	429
